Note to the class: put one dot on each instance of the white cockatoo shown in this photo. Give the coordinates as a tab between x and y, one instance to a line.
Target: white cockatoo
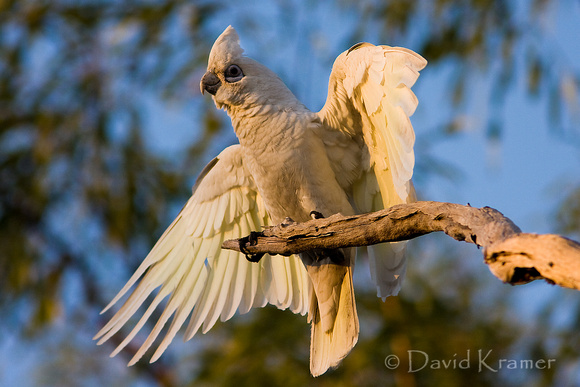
354	156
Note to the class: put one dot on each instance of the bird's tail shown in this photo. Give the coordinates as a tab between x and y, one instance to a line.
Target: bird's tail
332	314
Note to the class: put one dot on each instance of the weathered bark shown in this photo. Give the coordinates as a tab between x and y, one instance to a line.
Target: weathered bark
514	257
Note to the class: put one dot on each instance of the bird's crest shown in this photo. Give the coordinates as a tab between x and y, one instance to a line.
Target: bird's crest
226	48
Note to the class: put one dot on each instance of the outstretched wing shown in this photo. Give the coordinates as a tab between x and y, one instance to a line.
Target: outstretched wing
202	280
370	95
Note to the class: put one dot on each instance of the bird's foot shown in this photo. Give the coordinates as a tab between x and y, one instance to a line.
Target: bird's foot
252	239
316	215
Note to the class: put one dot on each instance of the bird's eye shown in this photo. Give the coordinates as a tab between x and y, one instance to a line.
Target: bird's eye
233	73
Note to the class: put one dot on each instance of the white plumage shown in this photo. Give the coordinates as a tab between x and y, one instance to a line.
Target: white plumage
354	156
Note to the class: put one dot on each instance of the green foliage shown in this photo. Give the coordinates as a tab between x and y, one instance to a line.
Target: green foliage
71	132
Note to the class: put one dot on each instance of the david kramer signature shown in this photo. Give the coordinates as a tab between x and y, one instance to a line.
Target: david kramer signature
419	360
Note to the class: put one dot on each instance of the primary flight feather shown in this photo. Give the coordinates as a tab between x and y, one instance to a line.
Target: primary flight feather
354	156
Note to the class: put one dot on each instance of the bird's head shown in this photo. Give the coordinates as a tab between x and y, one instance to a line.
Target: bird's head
235	80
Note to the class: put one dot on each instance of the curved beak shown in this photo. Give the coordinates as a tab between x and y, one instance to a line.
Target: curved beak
210	83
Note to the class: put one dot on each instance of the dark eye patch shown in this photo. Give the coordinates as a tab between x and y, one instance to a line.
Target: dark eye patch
233	73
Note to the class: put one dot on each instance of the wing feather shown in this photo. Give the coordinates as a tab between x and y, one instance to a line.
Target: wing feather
201	281
370	96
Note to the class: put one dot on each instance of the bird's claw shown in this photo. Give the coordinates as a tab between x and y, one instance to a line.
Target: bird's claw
316	215
252	239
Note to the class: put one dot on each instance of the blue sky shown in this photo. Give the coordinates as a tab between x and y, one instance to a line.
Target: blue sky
528	172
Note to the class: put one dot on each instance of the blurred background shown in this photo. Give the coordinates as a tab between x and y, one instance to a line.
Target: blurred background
103	131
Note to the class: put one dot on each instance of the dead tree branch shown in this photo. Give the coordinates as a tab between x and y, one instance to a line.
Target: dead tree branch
513	257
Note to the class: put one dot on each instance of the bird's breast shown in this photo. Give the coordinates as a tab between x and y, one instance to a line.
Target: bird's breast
294	176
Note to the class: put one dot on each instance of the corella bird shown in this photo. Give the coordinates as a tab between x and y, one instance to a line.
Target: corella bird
354	156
